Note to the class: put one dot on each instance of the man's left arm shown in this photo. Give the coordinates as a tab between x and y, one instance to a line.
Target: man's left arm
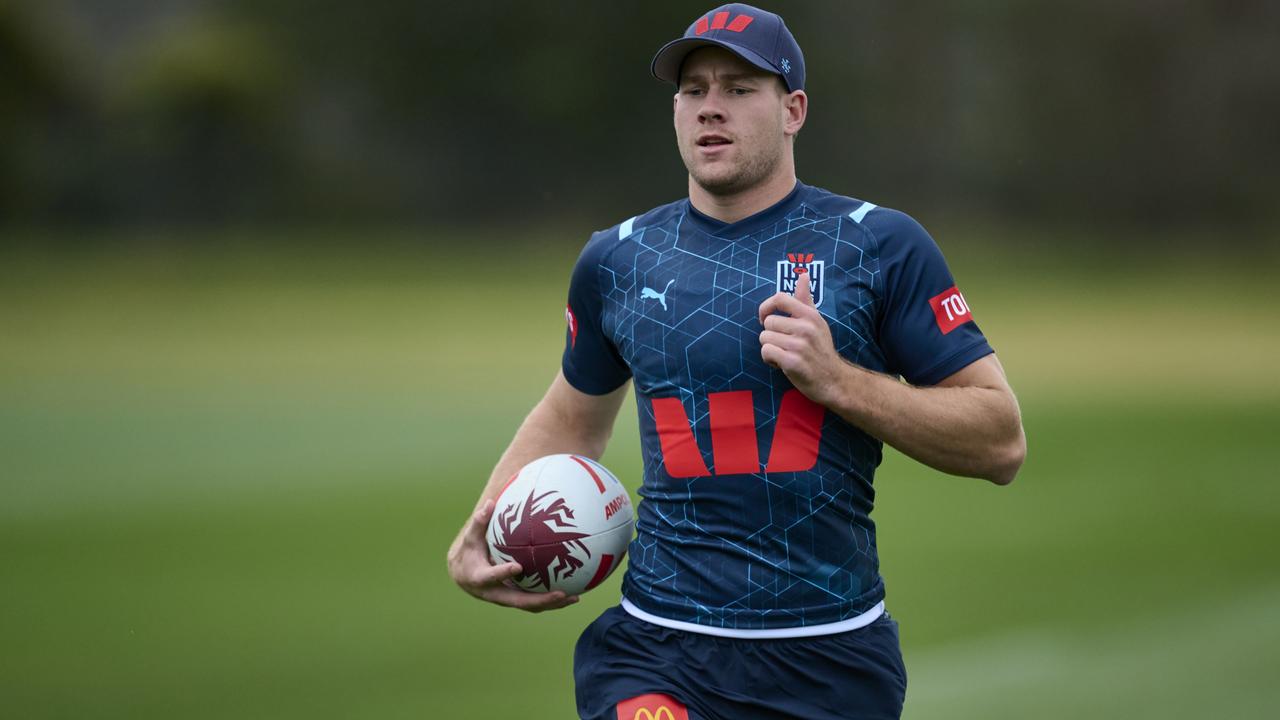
968	424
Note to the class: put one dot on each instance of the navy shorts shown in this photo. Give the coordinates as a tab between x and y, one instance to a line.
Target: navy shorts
854	674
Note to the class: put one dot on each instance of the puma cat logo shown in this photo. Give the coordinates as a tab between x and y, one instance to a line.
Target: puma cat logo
661	297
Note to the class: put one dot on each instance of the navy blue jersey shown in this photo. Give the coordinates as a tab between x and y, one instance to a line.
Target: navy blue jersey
757	501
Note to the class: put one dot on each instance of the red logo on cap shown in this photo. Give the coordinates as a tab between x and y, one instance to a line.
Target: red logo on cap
718	22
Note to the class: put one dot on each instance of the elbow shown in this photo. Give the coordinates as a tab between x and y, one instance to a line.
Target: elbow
1007	459
596	445
590	439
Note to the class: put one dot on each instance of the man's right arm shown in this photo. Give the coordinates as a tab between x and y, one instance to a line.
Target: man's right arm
566	420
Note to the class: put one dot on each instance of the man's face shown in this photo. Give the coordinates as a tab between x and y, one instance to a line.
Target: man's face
730	118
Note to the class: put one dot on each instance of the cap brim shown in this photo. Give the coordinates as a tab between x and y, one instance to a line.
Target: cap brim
666	64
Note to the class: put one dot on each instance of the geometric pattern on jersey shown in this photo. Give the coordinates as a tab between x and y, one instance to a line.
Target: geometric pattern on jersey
670	299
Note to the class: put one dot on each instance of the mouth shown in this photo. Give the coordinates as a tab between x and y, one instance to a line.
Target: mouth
713	141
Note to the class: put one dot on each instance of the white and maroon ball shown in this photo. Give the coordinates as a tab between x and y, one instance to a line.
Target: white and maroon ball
567	521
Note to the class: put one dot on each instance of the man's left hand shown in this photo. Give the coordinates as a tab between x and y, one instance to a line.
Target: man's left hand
801	345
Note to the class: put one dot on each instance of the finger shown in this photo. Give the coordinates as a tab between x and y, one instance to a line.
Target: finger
480	520
773	355
786	325
497	574
552	606
804	293
533	602
769	306
790	343
782	302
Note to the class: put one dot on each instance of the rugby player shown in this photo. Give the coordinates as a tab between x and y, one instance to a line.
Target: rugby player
776	334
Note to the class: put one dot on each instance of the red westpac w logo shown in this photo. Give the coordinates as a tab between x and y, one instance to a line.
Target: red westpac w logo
720	21
735	450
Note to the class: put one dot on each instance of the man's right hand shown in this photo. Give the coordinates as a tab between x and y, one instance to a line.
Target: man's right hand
469	566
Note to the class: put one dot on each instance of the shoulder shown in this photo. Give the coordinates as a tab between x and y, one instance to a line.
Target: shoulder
894	233
603	242
894	230
882	223
829	204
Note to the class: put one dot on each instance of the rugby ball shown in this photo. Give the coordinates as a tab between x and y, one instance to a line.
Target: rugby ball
567	521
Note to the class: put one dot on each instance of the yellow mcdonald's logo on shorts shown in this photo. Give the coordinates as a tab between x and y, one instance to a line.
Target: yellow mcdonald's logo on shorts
653	706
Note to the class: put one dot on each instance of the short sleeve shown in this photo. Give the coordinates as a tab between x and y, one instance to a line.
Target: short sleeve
927	330
591	361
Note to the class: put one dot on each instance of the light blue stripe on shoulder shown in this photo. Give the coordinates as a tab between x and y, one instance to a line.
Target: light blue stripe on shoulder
860	213
625	230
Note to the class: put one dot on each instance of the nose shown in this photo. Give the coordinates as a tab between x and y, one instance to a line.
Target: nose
710	110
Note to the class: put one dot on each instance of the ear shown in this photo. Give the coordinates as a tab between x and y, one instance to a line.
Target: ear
795	108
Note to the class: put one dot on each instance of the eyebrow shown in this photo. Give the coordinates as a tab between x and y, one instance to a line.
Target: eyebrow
737	77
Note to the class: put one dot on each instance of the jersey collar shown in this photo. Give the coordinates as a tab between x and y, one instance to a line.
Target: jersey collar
750	224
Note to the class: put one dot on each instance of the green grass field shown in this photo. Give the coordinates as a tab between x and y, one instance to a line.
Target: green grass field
229	478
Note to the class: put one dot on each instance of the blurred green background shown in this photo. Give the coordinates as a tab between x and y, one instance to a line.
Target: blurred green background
278	283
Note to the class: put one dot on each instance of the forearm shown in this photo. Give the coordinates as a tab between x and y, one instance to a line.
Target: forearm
974	431
564	421
537	437
543	433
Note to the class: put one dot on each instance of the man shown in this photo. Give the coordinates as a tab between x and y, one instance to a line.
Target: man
764	324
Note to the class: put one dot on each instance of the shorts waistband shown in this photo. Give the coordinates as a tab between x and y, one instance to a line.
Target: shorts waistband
852	623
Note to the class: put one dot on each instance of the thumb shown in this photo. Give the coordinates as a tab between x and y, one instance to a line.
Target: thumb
804	293
480	521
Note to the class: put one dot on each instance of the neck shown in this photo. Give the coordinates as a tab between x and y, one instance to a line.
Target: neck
733	207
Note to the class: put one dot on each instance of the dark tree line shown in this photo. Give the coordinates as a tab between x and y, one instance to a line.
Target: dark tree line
283	110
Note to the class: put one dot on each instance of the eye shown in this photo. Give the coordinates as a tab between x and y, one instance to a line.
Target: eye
694	91
739	91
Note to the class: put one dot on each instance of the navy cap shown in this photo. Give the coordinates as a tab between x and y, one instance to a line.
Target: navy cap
759	37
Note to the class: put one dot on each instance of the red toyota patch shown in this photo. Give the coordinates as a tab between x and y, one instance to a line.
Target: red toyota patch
950	309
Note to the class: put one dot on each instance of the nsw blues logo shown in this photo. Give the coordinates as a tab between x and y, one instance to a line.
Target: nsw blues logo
796	264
